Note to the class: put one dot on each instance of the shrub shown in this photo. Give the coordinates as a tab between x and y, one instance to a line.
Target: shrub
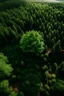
32	41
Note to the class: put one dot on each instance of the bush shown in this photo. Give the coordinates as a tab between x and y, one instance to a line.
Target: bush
32	41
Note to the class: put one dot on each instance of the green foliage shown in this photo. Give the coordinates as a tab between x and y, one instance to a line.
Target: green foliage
13	94
53	80
21	94
46	73
53	76
50	82
9	4
5	68
14	77
58	46
44	68
30	89
45	92
3	58
32	41
45	59
47	87
59	85
48	21
4	86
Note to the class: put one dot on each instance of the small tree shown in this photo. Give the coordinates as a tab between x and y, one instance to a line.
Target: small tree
4	86
5	68
32	41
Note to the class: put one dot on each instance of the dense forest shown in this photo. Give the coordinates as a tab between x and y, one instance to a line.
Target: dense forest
32	49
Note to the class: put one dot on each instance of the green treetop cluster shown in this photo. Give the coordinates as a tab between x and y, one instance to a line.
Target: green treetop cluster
32	41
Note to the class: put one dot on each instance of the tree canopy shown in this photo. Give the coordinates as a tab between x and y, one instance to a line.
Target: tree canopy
32	41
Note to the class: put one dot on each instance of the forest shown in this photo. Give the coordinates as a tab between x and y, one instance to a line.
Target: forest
32	49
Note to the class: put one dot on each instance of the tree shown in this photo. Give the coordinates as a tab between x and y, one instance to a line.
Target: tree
13	33
58	88
32	41
5	68
58	46
4	86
